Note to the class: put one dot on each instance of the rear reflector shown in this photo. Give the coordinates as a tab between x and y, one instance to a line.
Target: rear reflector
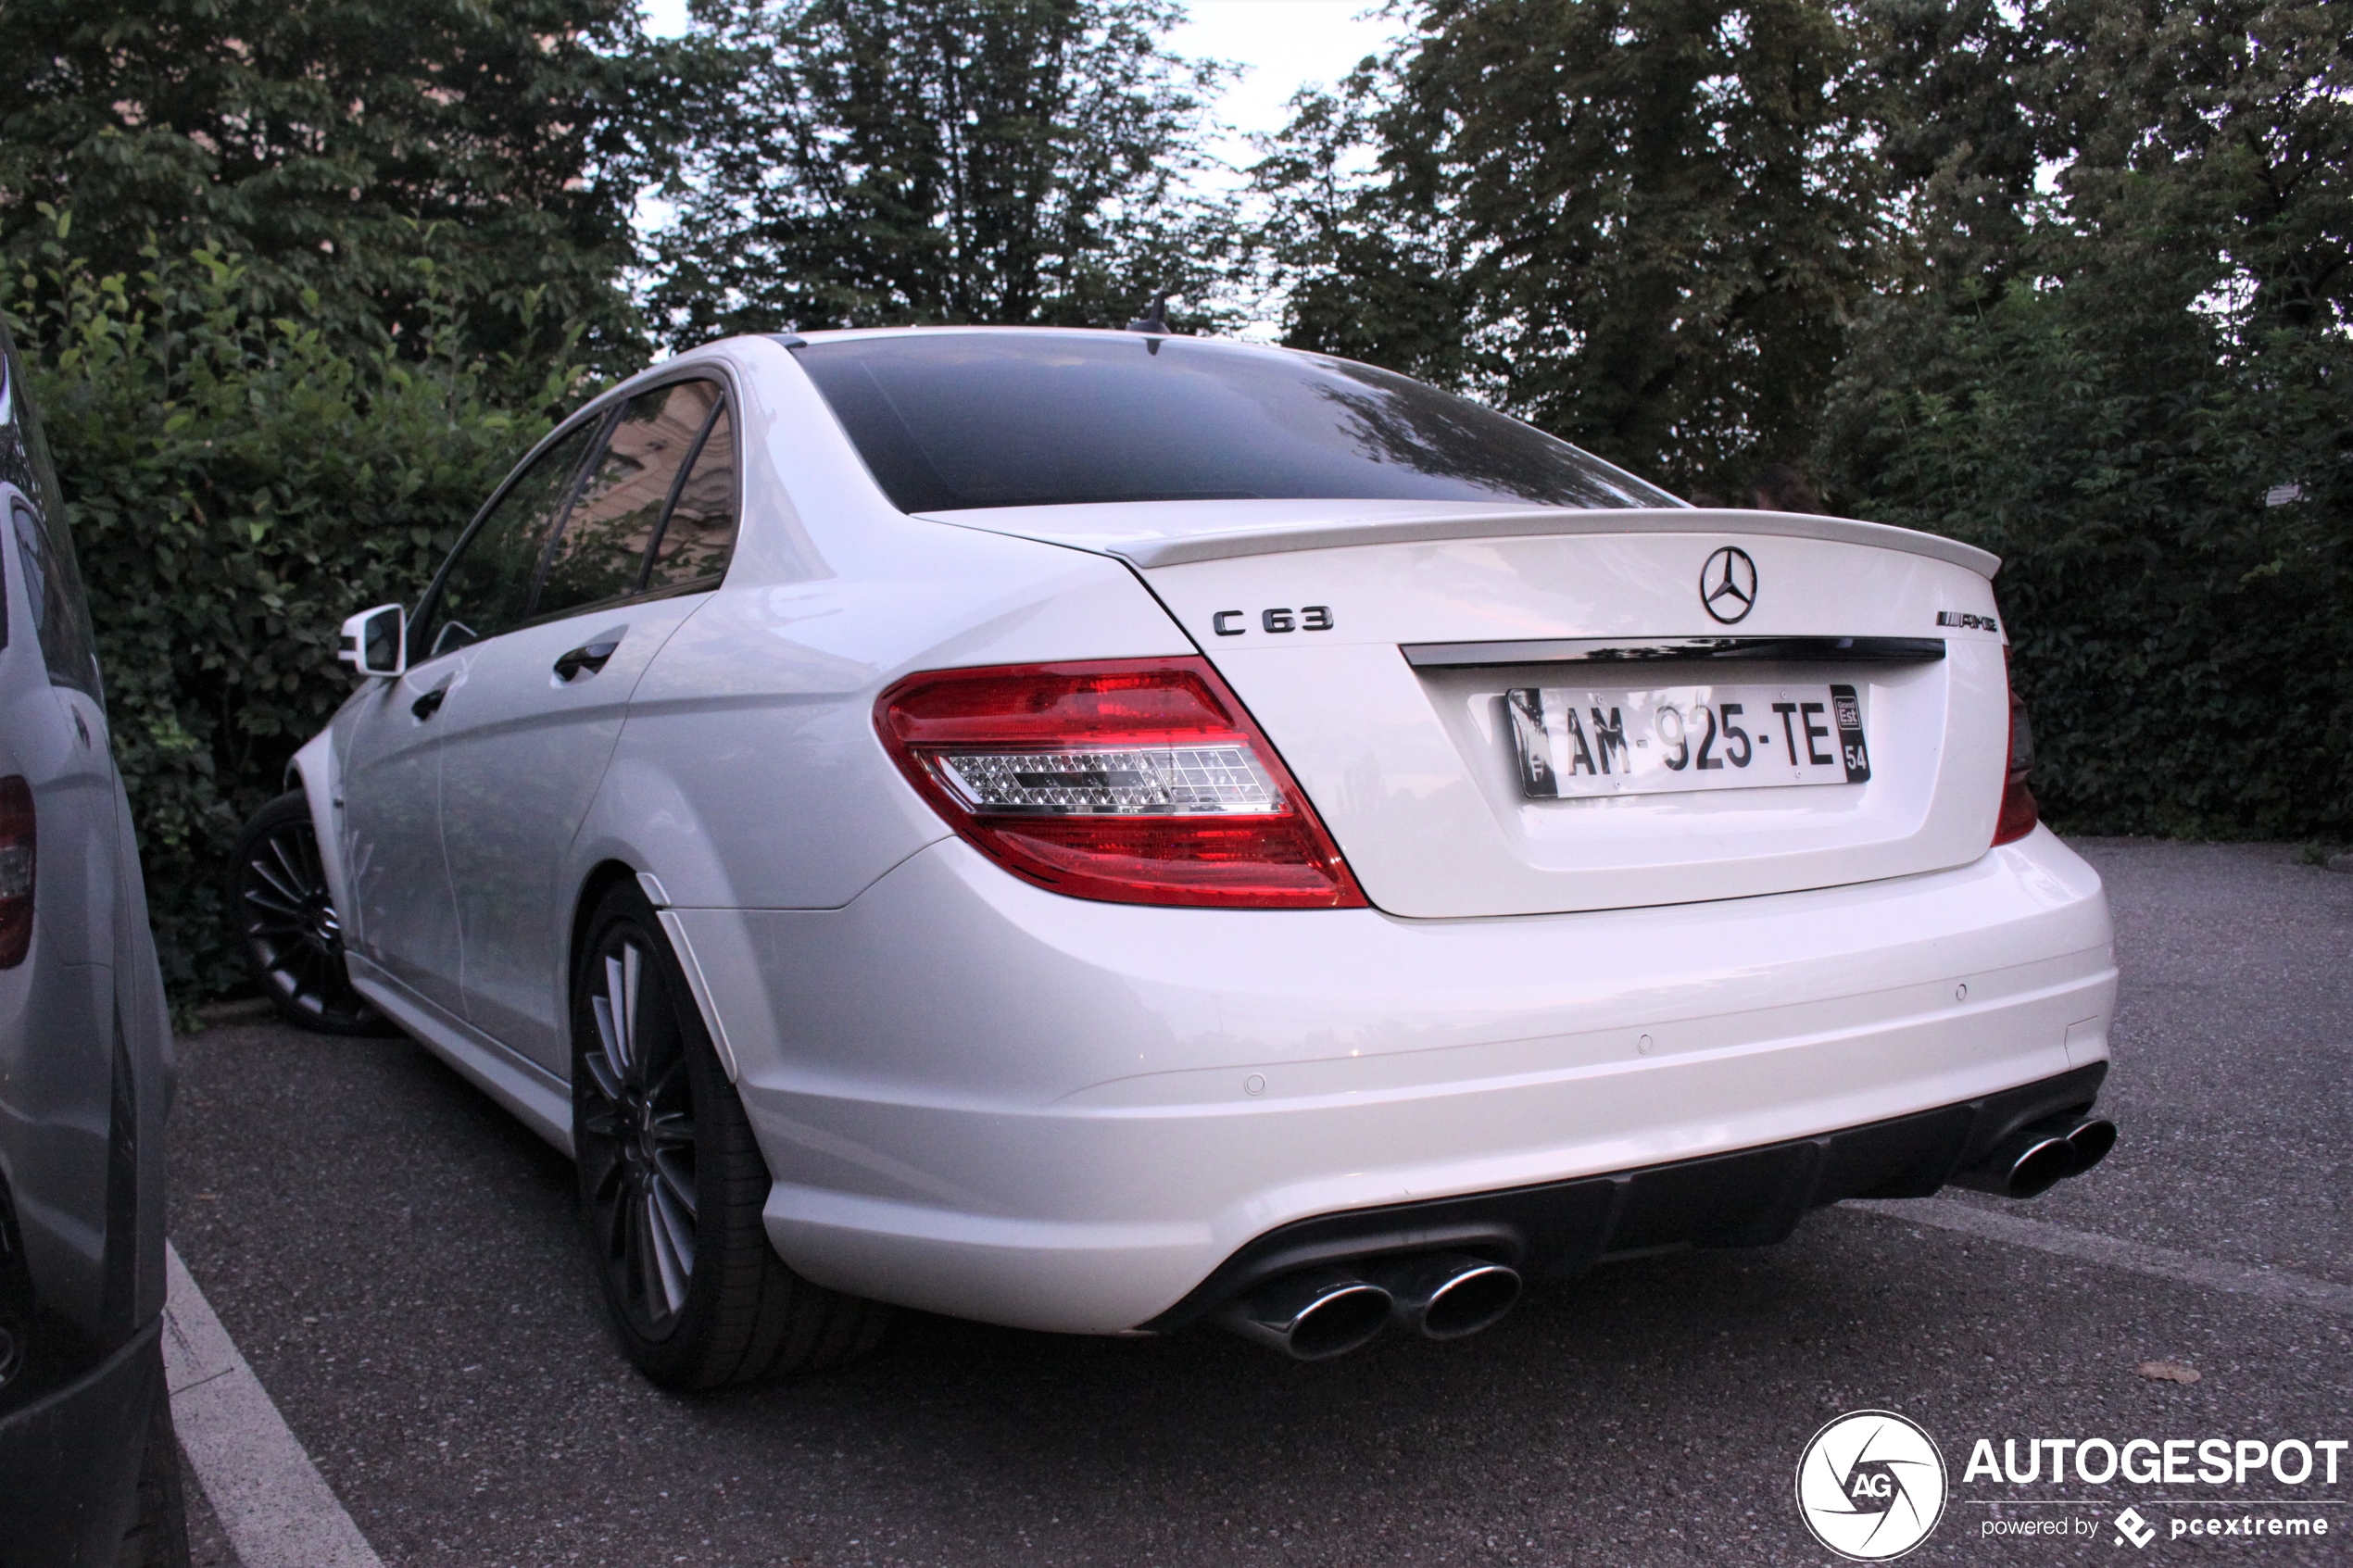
2019	811
16	870
1134	781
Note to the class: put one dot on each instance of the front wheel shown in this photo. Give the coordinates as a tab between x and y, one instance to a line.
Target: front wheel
672	1182
286	926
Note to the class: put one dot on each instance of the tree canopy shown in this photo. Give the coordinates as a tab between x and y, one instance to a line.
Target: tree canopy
1649	214
2137	386
873	162
335	144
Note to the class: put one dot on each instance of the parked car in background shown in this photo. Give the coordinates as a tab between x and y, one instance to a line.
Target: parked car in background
1105	831
89	1469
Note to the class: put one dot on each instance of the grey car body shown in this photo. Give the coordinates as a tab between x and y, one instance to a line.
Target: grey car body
85	1061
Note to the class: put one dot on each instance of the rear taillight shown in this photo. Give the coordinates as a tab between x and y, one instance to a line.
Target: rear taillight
2019	811
15	870
1135	781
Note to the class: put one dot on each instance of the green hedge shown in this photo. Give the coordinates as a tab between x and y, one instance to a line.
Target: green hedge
2185	644
238	485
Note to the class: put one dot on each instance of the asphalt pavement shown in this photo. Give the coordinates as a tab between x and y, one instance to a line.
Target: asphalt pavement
398	1261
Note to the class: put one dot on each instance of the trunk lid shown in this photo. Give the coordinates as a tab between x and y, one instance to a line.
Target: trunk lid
1379	647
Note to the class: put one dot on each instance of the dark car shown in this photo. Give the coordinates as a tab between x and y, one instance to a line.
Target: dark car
89	1468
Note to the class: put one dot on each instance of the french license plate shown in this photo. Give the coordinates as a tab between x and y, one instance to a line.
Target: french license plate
1573	742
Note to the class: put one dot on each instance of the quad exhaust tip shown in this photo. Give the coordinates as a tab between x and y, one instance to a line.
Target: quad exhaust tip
1313	1315
1448	1295
2033	1160
1316	1314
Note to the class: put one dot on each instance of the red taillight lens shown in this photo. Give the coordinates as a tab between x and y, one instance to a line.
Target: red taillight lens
1137	781
2019	811
15	870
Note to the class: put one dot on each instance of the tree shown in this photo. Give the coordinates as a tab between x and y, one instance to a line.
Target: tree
889	161
2228	125
335	143
2149	412
1363	272
1942	87
1655	212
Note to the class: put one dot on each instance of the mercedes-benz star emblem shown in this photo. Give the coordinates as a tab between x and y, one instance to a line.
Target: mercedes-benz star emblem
1728	584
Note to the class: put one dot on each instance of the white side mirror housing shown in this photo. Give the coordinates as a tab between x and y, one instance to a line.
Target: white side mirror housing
375	641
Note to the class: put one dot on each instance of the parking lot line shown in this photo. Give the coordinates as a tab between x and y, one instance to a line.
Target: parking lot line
2160	1262
273	1505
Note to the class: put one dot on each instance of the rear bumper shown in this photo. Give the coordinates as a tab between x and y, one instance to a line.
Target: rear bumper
1752	1197
980	1098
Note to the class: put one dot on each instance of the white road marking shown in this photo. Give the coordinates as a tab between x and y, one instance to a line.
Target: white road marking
2159	1262
271	1501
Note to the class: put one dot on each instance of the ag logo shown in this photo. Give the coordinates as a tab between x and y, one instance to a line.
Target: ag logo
1728	584
1870	1486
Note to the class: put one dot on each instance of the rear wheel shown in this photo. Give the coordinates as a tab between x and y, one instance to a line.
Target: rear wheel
286	924
672	1182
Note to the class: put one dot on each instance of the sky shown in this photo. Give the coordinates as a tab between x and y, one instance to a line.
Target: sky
1283	47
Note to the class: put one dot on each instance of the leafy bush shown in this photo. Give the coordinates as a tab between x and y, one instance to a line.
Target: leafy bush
237	486
2182	642
2147	408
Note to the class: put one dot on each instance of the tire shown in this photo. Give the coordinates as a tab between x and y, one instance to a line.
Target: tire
672	1182
285	924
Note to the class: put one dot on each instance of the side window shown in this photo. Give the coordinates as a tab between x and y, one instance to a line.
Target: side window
700	533
43	547
61	619
602	549
486	588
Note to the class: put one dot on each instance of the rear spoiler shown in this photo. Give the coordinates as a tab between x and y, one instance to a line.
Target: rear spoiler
1281	537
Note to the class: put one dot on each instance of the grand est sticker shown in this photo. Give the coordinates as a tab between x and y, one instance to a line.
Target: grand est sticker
1870	1486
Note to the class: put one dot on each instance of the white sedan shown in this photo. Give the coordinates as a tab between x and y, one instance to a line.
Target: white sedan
1104	832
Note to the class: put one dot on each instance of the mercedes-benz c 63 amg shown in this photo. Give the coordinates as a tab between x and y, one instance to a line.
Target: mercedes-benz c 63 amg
1105	831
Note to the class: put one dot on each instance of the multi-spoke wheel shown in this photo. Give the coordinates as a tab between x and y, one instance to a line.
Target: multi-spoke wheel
672	1182
636	1138
286	926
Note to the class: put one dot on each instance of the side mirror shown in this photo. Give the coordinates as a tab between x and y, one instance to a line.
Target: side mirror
375	641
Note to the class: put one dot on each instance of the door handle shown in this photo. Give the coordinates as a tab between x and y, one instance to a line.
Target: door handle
428	705
588	657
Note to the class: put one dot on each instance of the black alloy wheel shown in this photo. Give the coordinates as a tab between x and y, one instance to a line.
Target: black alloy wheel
633	1131
672	1183
286	924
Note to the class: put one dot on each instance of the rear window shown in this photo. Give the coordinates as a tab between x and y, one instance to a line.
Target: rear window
949	422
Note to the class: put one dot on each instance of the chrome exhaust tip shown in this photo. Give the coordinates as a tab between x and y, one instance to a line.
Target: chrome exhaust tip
2091	1140
2025	1164
1313	1315
1448	1295
2033	1160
